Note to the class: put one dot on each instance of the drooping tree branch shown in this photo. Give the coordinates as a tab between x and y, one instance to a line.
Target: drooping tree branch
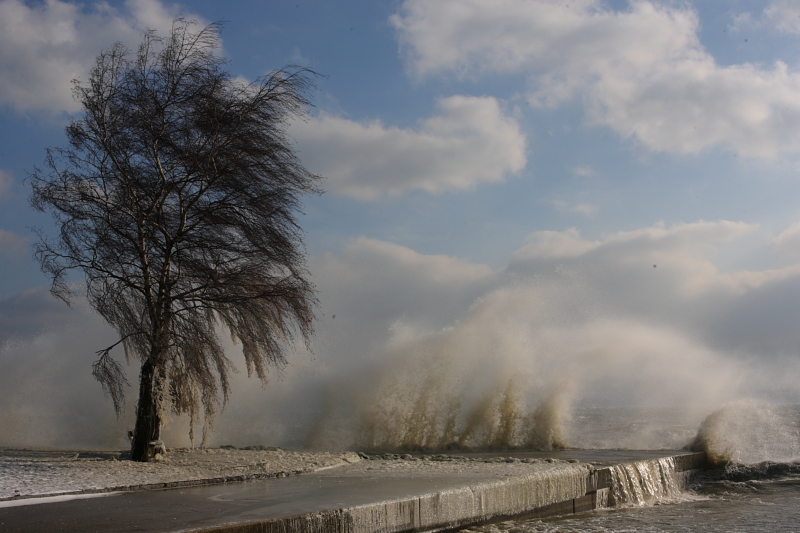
111	376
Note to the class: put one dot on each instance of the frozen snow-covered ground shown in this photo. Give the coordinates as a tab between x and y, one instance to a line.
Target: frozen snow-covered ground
27	473
34	472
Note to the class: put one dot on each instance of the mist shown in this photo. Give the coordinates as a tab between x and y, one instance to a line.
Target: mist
417	351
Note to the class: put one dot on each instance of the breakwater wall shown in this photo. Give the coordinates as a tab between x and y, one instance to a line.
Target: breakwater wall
573	489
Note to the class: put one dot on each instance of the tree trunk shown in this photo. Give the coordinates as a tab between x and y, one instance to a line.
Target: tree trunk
148	423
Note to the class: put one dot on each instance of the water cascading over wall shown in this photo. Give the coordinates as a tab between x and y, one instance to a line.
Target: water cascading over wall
555	489
645	483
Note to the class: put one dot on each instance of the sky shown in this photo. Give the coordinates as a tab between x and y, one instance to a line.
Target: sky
593	196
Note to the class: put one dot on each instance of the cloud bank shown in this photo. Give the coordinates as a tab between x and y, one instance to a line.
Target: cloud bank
641	71
44	46
784	15
644	318
471	141
445	349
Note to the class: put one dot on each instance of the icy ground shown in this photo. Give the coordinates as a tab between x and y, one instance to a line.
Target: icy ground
34	472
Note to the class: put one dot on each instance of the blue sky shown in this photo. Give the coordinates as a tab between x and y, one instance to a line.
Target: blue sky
544	154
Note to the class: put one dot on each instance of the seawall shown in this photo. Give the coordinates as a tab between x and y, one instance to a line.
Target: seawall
548	493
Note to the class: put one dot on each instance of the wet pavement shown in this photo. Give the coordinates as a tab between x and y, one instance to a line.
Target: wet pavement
215	505
205	507
212	506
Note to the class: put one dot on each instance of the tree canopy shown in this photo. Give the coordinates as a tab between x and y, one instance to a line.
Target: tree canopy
176	198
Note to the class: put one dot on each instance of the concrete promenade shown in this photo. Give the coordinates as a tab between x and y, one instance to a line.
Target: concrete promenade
371	496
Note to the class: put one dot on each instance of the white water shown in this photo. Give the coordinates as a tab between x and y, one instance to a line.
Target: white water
645	483
769	505
748	432
758	491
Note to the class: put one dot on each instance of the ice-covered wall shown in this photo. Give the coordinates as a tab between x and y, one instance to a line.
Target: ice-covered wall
568	489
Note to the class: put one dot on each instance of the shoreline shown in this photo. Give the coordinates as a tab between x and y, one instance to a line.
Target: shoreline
29	472
387	492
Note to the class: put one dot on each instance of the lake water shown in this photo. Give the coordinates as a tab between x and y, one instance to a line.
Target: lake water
751	506
757	491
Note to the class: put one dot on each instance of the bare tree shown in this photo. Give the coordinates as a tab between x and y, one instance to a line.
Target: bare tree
176	199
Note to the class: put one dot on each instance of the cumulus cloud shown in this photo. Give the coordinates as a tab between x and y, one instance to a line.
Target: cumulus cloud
378	256
426	291
784	15
46	346
554	244
641	318
787	243
641	71
44	46
669	277
678	241
679	251
471	141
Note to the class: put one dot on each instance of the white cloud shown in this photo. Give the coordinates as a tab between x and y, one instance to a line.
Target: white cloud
741	21
479	36
700	233
44	46
381	257
152	14
569	319
583	171
678	241
784	15
582	208
681	251
554	244
788	242
471	141
641	71
402	282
